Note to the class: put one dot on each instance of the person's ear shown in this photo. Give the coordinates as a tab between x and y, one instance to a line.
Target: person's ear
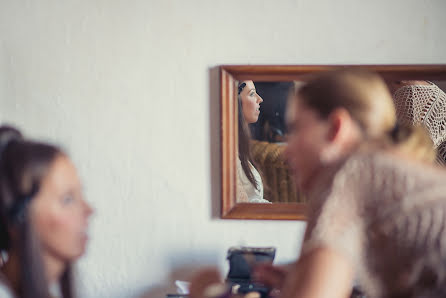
337	130
338	124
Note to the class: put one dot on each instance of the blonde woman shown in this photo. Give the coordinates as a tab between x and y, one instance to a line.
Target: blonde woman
377	207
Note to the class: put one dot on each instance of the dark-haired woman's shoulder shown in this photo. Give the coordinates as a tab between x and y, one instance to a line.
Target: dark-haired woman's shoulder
5	291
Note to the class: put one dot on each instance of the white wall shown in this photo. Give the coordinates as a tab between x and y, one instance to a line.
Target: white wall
127	88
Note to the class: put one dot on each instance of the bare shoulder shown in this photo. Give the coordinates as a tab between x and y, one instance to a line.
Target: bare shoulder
5	292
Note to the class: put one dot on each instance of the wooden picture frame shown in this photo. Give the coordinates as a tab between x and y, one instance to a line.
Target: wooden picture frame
229	75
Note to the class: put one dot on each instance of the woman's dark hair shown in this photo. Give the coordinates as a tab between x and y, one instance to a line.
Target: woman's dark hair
23	165
244	136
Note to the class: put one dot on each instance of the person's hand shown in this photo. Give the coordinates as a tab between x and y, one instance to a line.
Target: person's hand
202	280
270	275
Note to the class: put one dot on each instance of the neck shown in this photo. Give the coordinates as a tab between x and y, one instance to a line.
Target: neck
313	184
347	149
54	268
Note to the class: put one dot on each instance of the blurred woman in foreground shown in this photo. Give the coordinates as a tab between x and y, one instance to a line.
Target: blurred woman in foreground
44	218
377	205
377	209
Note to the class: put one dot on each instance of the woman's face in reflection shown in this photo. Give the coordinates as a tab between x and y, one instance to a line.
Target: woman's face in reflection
250	102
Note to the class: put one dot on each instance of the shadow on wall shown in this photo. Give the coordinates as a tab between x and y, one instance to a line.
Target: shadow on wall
215	140
183	267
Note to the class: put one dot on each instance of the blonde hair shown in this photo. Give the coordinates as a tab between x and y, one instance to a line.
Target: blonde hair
367	99
412	141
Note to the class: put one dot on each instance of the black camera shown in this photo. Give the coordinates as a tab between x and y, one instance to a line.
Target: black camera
241	263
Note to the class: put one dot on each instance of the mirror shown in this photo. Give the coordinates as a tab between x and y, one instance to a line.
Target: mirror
270	193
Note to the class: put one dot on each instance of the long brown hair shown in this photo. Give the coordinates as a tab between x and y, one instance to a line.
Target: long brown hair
23	165
367	99
244	146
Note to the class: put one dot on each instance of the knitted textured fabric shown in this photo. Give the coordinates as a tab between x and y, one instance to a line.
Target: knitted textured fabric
387	216
441	153
425	104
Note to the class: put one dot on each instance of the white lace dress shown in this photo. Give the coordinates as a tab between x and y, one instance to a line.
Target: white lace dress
246	192
388	217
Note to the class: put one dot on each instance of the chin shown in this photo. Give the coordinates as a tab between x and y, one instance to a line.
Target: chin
76	255
79	252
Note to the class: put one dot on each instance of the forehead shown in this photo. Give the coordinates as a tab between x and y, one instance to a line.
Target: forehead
249	85
61	175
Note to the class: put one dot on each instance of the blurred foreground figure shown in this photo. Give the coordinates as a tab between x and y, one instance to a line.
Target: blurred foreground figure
377	205
44	218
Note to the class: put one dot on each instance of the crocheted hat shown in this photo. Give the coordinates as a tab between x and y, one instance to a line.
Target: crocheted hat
441	153
425	104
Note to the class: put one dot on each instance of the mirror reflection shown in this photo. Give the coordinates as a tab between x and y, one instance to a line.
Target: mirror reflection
250	185
262	172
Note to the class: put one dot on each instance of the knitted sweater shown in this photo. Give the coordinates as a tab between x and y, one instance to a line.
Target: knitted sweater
387	216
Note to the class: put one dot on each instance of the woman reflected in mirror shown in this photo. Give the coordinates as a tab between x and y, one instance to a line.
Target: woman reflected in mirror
43	218
250	186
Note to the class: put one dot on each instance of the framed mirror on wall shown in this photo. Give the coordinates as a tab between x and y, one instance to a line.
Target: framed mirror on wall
254	97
